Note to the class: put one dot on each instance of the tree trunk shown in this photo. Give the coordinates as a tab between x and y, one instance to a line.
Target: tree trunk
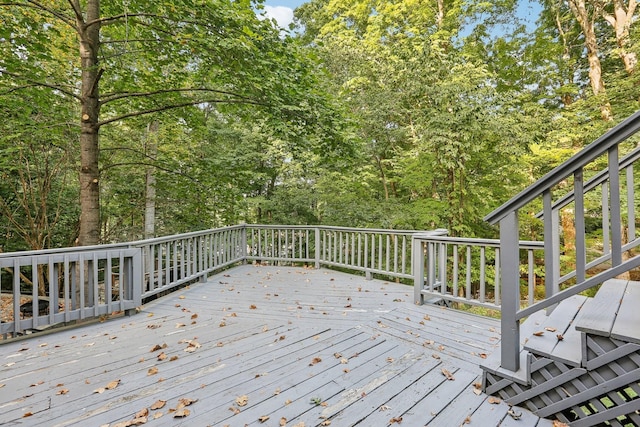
89	38
150	185
587	24
621	22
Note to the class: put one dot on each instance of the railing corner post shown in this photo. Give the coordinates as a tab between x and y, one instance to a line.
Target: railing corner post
510	272
243	238
316	247
134	269
417	265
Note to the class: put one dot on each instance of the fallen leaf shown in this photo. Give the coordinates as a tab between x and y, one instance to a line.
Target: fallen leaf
37	384
283	422
263	418
494	400
27	414
173	358
300	424
326	423
447	374
63	391
513	414
435	356
315	361
186	402
483	355
539	333
560	337
157	415
152	370
467	420
159	404
162	356
395	420
142	413
235	410
182	297
557	423
253	307
550	329
242	400
112	384
344	361
158	347
181	413
194	316
180	325
477	391
426	317
192	346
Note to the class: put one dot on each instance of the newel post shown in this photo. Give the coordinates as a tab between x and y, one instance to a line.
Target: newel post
317	247
510	266
417	265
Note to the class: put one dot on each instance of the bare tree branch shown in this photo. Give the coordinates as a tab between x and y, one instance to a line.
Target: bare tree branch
58	15
175	106
36	83
75	5
108	97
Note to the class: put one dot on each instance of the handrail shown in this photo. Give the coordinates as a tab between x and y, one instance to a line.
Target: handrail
595	180
600	146
557	216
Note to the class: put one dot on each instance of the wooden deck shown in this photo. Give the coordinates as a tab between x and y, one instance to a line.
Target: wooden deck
266	346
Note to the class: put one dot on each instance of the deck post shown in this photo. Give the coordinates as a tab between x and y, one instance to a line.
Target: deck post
510	266
245	248
417	265
317	247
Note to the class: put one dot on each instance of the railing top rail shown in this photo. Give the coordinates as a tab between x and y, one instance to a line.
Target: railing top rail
524	244
613	137
595	180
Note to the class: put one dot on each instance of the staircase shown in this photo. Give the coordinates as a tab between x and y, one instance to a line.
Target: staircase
581	362
568	356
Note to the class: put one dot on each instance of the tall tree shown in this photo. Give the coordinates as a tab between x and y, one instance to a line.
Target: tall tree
137	58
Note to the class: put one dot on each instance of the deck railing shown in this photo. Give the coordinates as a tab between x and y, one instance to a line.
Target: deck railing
576	258
80	283
466	270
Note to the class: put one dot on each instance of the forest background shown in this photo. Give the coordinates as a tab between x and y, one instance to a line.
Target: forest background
132	119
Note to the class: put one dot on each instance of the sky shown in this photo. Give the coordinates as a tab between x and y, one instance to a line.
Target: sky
282	10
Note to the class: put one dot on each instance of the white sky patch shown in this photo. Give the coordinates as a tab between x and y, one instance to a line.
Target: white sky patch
282	14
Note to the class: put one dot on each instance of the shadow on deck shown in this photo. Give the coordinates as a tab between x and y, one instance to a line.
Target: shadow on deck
266	346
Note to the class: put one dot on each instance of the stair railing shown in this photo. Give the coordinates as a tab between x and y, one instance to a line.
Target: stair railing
587	273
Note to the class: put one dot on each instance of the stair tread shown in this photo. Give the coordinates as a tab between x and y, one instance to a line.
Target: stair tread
626	325
601	314
544	341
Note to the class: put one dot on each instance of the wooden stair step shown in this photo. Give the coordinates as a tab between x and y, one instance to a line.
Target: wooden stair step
557	338
626	326
601	315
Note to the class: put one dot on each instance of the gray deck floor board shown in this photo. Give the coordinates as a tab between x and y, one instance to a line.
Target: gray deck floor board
283	337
